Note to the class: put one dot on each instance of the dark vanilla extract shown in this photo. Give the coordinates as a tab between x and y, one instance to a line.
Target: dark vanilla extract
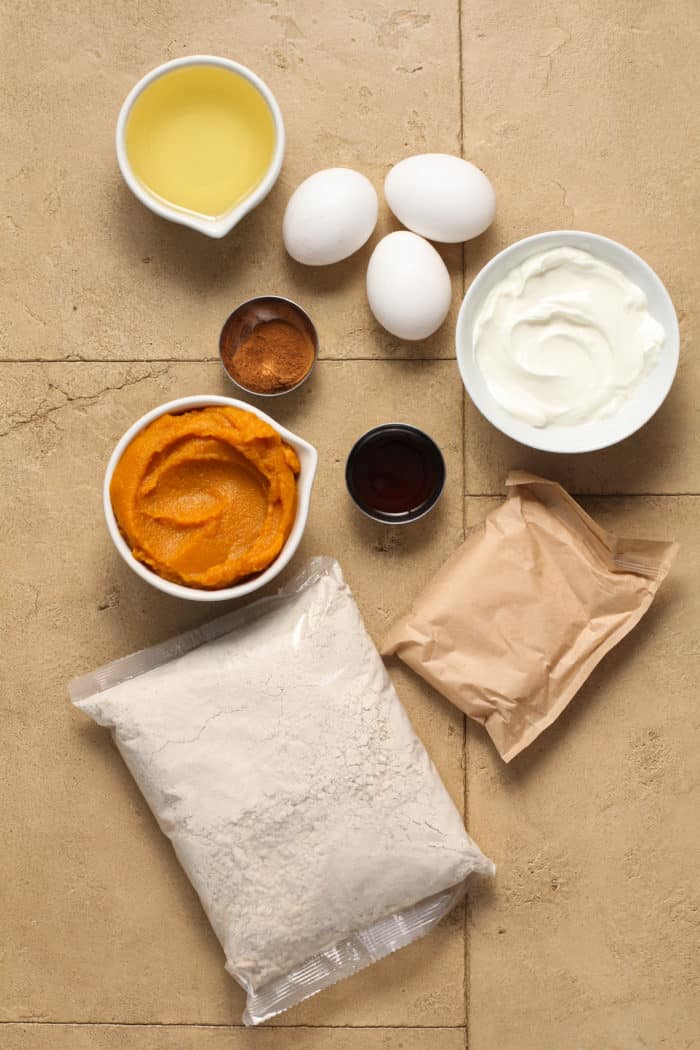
395	472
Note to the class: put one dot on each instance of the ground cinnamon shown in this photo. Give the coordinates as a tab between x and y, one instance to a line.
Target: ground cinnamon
275	356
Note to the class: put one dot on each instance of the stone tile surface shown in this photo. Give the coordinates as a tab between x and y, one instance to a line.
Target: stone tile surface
168	1037
594	914
90	882
362	88
582	115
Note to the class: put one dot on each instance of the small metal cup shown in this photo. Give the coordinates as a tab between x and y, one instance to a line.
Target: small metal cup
430	448
246	317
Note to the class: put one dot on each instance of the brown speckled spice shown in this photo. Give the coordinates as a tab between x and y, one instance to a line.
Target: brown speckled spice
275	357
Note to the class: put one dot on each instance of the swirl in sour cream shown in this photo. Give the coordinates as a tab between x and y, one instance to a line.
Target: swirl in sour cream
565	338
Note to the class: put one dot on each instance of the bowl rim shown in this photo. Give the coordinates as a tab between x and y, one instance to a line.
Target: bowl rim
274	393
386	518
220	225
537	437
308	457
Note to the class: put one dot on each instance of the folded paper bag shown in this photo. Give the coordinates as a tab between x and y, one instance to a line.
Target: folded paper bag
518	617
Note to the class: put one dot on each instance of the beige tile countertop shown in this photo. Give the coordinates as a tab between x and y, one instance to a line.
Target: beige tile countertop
584	114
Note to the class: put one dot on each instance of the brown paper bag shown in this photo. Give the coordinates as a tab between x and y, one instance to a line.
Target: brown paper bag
518	617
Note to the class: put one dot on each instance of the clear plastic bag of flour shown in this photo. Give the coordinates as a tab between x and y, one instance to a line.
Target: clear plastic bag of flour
277	758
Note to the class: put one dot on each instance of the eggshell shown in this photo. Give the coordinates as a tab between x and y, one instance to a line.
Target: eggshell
441	197
329	216
408	286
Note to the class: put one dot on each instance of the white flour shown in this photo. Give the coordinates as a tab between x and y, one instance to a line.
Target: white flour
283	768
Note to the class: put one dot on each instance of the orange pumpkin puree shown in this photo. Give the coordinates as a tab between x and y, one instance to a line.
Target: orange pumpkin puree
207	497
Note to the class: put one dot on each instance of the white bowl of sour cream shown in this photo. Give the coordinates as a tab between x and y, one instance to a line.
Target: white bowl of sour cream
567	341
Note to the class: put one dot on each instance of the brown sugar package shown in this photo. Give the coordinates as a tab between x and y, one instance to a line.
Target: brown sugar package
518	617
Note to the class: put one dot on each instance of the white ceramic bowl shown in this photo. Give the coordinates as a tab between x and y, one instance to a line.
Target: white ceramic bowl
582	437
308	459
222	224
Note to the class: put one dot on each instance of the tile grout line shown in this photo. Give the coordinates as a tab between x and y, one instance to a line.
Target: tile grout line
597	495
188	360
235	1027
465	760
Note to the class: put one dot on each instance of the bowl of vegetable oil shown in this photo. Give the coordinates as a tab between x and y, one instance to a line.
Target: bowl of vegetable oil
200	141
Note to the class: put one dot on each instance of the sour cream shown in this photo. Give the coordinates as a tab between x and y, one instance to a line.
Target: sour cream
565	338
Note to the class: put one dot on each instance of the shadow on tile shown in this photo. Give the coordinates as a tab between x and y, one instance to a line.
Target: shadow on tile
196	261
317	280
137	615
647	461
479	250
482	895
406	538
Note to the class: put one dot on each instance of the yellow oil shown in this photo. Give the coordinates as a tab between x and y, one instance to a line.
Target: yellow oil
200	138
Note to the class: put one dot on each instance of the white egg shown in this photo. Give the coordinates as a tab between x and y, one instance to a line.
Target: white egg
408	286
329	216
441	197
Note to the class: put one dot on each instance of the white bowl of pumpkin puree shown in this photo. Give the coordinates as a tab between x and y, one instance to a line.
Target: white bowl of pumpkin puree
207	497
